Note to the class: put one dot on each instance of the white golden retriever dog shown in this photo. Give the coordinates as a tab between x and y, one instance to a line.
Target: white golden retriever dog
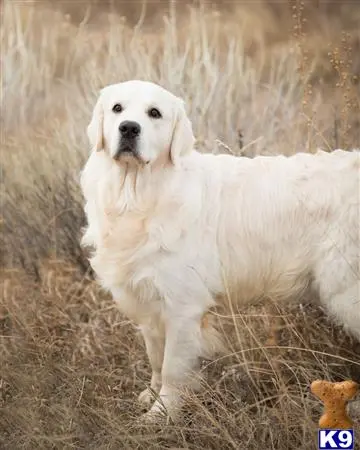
173	229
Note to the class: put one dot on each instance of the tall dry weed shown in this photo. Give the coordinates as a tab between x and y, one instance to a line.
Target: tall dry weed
70	364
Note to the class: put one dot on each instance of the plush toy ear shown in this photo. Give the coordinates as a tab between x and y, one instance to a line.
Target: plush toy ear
95	130
183	138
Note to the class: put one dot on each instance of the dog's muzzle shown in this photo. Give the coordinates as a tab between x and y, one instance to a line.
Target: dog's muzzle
129	133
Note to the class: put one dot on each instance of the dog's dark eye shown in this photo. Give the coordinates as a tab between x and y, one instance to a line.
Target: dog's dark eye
117	108
154	113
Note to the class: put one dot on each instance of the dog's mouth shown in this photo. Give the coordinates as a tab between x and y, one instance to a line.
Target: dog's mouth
126	148
128	152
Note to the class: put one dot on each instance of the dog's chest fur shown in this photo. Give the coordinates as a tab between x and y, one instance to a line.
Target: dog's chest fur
126	229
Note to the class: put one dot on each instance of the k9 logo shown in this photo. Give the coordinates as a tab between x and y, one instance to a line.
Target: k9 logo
336	439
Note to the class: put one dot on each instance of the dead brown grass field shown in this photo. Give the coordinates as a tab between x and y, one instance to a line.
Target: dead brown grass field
283	75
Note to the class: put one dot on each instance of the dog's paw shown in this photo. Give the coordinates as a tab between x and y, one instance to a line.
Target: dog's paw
146	397
154	419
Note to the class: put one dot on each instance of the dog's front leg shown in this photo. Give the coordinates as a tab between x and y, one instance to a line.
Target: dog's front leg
183	313
181	363
154	337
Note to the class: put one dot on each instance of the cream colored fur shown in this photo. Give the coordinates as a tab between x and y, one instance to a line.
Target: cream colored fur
175	230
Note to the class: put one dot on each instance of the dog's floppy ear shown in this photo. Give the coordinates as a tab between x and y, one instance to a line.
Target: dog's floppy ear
183	139
95	130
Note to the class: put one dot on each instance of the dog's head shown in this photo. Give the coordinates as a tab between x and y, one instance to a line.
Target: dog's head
139	122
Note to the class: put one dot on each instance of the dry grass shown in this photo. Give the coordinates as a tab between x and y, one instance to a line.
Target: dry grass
71	365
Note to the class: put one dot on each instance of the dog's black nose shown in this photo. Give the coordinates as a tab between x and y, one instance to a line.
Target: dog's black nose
129	129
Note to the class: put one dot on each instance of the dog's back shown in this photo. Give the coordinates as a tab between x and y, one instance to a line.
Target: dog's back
296	222
337	270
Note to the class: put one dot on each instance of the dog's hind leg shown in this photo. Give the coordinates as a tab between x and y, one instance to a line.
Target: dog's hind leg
337	279
345	307
337	271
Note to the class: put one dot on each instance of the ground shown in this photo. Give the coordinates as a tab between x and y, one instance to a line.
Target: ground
257	78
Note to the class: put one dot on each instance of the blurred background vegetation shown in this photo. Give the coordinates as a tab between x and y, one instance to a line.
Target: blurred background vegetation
258	77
